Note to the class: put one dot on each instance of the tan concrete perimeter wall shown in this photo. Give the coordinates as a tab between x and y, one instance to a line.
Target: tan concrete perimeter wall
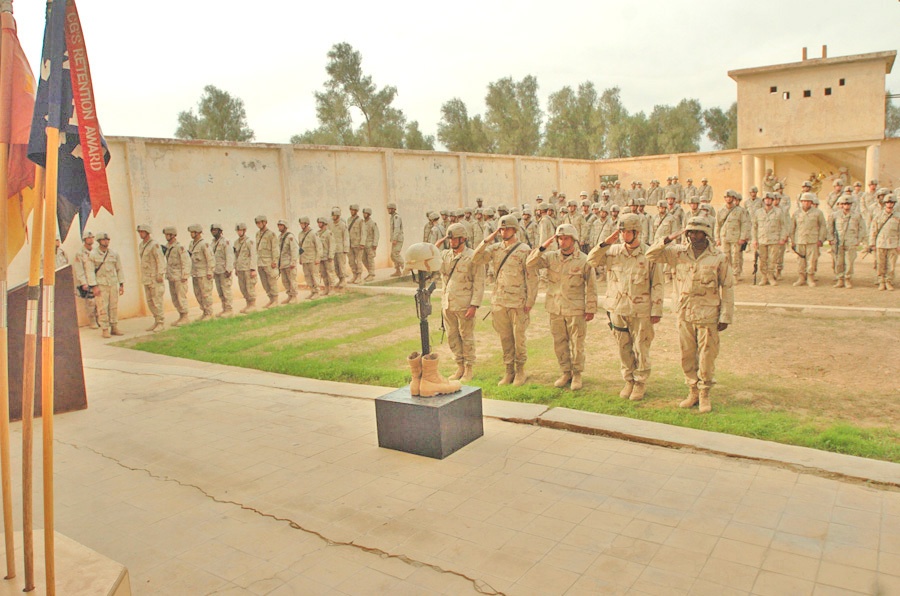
167	182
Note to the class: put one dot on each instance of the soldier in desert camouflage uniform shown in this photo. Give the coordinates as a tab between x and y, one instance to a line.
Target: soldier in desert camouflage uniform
245	265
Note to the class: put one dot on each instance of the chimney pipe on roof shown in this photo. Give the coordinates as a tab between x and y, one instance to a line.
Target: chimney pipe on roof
824	51
804	53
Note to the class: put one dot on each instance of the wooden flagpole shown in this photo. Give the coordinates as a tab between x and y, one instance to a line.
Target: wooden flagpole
6	51
47	345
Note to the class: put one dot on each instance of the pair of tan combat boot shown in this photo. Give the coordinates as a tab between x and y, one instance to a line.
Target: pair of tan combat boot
633	390
112	330
572	379
515	376
695	396
426	380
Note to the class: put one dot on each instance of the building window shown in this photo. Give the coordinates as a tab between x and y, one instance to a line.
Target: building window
842	82
827	90
773	89
786	95
807	93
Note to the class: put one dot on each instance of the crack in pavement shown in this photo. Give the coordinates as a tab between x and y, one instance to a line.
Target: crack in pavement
480	586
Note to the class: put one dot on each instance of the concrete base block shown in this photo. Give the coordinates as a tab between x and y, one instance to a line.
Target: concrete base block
430	426
79	570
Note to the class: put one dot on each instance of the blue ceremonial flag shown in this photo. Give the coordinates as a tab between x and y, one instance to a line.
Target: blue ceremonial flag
65	100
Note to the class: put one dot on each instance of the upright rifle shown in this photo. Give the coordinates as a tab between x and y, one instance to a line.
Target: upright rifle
423	307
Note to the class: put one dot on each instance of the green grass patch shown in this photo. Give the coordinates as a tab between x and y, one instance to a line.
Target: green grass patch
365	339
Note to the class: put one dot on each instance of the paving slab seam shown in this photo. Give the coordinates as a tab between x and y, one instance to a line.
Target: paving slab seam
480	586
659	442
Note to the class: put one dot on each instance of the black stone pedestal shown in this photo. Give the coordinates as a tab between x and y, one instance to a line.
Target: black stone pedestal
430	426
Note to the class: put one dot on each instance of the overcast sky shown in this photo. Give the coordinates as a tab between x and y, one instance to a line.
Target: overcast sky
150	60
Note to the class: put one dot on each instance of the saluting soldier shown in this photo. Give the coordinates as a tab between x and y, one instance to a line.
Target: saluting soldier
311	255
82	285
245	265
846	231
326	258
513	296
267	259
662	224
370	242
340	240
202	266
704	299
287	261
153	269
108	279
224	258
463	283
357	249
808	233
571	300
634	300
396	229
178	269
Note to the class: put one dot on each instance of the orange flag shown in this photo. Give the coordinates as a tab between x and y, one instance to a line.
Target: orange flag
18	103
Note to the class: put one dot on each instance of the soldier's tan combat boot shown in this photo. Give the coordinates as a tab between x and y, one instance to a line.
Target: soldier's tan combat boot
839	283
114	329
563	380
340	283
432	382
467	375
415	366
370	277
355	279
396	272
460	371
625	393
848	284
811	282
251	307
638	393
801	281
692	398
705	407
881	285
772	280
152	327
509	377
521	376
889	285
181	320
272	302
105	334
576	381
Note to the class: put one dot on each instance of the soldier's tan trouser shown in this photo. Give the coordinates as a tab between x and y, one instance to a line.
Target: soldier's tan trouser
90	305
370	260
634	346
844	259
268	277
511	324
356	258
885	261
326	273
699	349
154	292
734	256
809	262
309	277
396	255
779	258
460	336
203	292
768	257
341	268
247	285
568	341
108	306
178	292
224	289
289	281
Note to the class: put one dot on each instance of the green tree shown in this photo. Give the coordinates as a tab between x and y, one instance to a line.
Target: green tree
347	89
574	126
458	132
678	129
219	117
721	126
414	139
891	117
615	123
513	116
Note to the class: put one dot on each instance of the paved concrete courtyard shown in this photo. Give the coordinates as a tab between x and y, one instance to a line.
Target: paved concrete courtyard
207	479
